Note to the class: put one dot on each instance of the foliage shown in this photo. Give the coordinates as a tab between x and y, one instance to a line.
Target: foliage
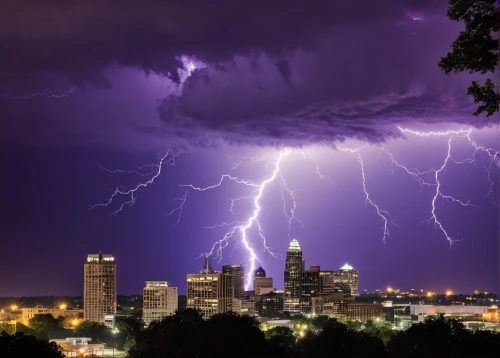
19	345
45	326
97	331
475	49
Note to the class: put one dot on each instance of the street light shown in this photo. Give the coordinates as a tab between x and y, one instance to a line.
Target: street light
14	307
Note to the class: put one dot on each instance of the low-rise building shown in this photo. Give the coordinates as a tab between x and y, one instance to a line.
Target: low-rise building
79	347
30	312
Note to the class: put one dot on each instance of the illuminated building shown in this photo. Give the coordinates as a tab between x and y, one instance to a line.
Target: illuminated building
260	272
263	285
30	312
270	305
159	301
237	273
327	282
341	306
79	347
309	287
99	291
209	292
349	276
294	266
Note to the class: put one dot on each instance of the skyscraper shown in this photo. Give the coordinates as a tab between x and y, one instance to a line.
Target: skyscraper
347	275
260	272
159	301
293	268
237	273
309	287
209	292
99	286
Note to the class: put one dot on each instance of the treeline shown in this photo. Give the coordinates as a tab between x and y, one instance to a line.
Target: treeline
186	334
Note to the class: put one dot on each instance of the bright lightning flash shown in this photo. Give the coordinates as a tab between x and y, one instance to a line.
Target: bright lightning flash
383	214
418	176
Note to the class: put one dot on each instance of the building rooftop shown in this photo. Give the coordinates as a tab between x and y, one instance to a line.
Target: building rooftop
294	246
347	267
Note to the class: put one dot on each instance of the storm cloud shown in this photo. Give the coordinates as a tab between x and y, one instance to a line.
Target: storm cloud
272	72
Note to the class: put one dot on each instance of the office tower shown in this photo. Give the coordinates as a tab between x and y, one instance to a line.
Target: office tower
99	286
209	292
293	268
327	282
260	272
309	287
270	305
315	268
159	301
263	285
237	273
347	275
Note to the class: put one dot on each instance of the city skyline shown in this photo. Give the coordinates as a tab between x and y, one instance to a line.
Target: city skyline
222	134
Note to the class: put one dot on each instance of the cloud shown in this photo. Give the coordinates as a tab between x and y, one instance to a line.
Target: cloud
275	72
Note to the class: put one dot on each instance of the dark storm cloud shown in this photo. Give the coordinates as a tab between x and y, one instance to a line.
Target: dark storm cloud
276	70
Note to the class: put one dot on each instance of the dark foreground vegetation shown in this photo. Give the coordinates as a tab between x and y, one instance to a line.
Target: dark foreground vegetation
186	334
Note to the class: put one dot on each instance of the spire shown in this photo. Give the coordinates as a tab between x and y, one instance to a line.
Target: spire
260	272
347	267
207	268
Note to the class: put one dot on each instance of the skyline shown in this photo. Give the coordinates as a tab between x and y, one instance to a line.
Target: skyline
238	133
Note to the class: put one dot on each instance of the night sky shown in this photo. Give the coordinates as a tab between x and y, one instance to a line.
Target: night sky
91	87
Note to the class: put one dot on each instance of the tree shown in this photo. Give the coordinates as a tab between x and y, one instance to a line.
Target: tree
281	338
19	345
97	331
475	49
435	337
45	326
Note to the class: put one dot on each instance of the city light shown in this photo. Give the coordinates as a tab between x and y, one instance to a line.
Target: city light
14	307
62	306
449	292
389	290
430	294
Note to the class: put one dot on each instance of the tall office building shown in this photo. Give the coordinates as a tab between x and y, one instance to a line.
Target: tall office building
347	275
327	282
293	269
209	292
309	287
263	285
99	286
237	273
260	272
159	301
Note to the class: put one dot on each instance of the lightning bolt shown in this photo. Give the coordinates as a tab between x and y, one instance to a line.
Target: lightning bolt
418	176
179	209
241	228
47	94
384	215
130	195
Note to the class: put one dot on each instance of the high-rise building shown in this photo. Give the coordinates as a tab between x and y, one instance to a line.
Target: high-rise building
270	305
262	284
209	292
327	282
237	273
347	275
260	272
159	301
309	287
293	268
99	286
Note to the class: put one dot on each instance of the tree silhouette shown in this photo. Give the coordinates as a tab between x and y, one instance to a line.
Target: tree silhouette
475	50
19	345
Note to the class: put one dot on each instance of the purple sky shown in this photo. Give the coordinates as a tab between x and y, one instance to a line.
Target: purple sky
306	75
